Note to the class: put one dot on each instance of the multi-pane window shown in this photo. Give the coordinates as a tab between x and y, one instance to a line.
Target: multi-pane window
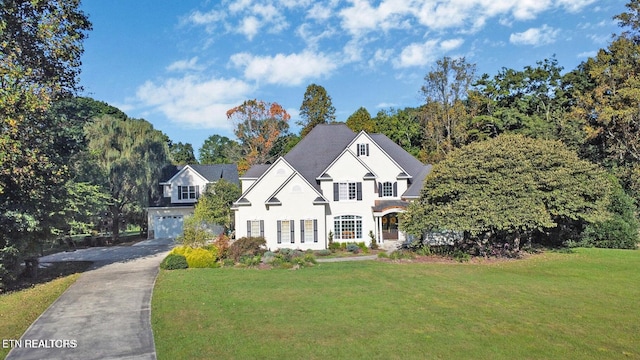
387	189
188	192
309	232
363	149
255	228
347	191
347	227
285	232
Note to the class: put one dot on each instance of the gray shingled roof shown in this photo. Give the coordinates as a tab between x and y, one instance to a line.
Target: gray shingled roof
318	149
256	171
410	164
418	180
212	172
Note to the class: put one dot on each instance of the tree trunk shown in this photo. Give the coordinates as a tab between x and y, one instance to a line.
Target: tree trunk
115	223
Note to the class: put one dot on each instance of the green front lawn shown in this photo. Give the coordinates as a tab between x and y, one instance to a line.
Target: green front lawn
552	306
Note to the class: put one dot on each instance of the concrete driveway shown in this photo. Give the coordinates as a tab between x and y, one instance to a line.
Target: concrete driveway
106	313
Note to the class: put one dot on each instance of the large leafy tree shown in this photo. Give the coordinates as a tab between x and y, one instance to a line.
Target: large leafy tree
40	49
218	149
444	113
509	188
608	103
403	127
533	101
361	120
258	125
182	154
316	108
129	154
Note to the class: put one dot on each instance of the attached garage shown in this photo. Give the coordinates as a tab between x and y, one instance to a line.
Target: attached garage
168	226
167	222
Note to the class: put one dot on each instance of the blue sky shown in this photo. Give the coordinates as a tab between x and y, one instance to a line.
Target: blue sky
182	64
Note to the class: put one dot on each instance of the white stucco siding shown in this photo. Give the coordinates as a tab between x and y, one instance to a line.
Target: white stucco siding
295	197
188	177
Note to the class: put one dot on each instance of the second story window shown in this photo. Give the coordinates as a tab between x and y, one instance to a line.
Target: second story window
188	192
363	149
344	191
388	189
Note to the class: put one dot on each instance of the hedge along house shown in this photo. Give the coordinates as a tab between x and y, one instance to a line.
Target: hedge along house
333	181
180	189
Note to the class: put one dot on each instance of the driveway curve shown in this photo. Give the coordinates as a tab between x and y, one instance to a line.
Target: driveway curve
106	313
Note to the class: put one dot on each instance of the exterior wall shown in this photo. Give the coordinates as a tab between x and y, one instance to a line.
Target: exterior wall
153	213
296	197
187	177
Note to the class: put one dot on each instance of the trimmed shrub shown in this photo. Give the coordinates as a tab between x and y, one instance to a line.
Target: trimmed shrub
174	262
354	248
202	257
251	246
334	246
324	252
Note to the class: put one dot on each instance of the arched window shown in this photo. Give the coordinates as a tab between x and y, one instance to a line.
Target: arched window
347	227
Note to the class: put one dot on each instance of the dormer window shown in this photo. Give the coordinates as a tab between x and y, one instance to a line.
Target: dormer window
388	189
188	192
363	149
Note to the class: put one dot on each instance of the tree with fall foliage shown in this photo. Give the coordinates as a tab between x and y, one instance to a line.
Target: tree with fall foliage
361	120
258	125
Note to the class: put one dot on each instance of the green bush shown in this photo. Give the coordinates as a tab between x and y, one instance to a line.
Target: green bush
246	246
174	262
334	246
619	232
324	252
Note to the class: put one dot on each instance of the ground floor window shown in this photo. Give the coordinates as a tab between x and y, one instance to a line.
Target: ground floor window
347	227
255	228
286	232
308	231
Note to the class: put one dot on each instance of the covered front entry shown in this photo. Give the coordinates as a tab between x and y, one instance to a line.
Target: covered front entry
386	218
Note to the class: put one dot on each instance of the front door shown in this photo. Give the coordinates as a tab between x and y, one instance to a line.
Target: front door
390	226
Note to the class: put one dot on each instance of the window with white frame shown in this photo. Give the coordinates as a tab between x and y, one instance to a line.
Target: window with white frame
344	191
188	192
309	231
387	189
255	228
286	232
347	227
363	149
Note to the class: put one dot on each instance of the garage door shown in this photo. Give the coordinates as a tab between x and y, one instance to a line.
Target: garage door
168	226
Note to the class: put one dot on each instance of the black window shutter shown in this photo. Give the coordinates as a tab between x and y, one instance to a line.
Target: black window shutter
336	191
279	232
367	146
315	231
197	191
302	231
179	192
379	189
262	228
292	223
248	228
359	190
395	189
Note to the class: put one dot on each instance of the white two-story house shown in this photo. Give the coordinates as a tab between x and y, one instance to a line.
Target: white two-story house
180	188
333	181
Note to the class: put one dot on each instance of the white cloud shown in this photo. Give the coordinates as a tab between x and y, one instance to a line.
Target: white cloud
185	65
249	27
199	18
291	70
535	36
421	54
194	101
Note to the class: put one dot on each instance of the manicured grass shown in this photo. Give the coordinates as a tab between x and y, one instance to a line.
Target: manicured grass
584	305
21	308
